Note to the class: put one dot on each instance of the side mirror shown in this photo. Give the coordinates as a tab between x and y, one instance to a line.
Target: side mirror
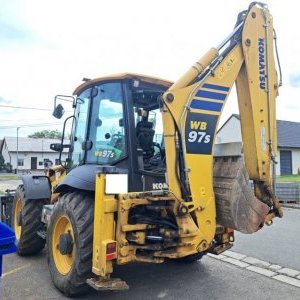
58	112
59	109
59	147
56	147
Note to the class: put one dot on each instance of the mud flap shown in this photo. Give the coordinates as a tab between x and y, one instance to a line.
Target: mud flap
237	206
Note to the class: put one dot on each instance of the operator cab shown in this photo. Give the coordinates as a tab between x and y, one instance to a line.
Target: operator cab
149	128
118	122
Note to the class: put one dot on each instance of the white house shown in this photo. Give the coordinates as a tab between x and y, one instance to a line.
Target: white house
288	140
31	153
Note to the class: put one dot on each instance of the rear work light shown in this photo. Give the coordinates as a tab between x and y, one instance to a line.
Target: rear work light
229	230
111	251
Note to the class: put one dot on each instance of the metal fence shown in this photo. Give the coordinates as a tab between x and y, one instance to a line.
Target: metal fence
288	192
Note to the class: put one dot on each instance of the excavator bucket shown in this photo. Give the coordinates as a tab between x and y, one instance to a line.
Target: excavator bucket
237	206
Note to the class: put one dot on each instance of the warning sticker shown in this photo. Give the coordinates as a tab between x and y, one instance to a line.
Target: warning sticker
225	66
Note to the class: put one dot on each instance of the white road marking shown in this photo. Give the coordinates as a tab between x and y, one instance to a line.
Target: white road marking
15	270
256	262
288	280
236	262
220	256
273	271
234	255
261	271
289	272
275	267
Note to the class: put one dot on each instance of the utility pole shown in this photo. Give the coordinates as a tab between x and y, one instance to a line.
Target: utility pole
18	149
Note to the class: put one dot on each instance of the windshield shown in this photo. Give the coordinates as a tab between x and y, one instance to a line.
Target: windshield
79	132
103	106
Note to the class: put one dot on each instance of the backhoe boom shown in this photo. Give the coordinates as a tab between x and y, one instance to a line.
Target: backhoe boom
194	104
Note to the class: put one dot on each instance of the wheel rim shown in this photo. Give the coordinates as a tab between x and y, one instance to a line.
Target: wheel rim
18	210
63	262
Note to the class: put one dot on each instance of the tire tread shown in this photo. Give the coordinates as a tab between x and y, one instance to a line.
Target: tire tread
30	242
79	207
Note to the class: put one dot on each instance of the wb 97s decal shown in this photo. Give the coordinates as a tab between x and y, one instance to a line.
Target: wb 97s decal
199	133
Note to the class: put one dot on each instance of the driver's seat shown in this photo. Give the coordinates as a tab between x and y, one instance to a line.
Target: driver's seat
145	134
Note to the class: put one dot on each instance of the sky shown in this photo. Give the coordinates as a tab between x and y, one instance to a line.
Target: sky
47	47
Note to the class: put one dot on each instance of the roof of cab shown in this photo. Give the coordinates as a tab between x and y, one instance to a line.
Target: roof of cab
144	78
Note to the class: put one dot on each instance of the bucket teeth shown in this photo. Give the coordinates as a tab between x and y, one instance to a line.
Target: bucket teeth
237	206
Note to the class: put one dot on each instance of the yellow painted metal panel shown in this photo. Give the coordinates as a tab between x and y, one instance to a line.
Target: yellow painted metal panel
104	229
193	125
257	89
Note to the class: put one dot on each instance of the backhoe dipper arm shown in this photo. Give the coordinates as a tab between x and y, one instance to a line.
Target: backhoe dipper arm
193	105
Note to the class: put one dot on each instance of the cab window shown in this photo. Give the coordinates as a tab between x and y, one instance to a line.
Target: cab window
107	131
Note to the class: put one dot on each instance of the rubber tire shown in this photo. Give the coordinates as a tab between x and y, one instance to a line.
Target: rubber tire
30	242
190	258
78	206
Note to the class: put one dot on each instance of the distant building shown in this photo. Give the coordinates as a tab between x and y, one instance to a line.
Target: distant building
33	154
288	142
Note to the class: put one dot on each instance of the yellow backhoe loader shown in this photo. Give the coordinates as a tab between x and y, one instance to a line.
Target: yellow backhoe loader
141	182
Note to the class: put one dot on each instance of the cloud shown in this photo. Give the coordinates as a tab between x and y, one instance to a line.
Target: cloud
48	46
14	31
294	80
11	32
12	27
292	107
5	101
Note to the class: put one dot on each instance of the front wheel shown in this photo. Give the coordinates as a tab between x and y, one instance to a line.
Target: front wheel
70	242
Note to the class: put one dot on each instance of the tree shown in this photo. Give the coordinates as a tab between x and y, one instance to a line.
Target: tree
1	160
46	134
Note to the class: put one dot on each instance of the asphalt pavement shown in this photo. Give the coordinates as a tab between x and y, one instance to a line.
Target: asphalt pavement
29	278
278	243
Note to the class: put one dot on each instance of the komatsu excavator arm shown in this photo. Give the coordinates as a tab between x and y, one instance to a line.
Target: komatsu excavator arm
192	107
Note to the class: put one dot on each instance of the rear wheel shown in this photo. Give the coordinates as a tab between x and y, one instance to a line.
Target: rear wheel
70	242
26	222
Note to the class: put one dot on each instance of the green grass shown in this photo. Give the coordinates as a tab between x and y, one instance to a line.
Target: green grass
9	177
288	178
1	192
